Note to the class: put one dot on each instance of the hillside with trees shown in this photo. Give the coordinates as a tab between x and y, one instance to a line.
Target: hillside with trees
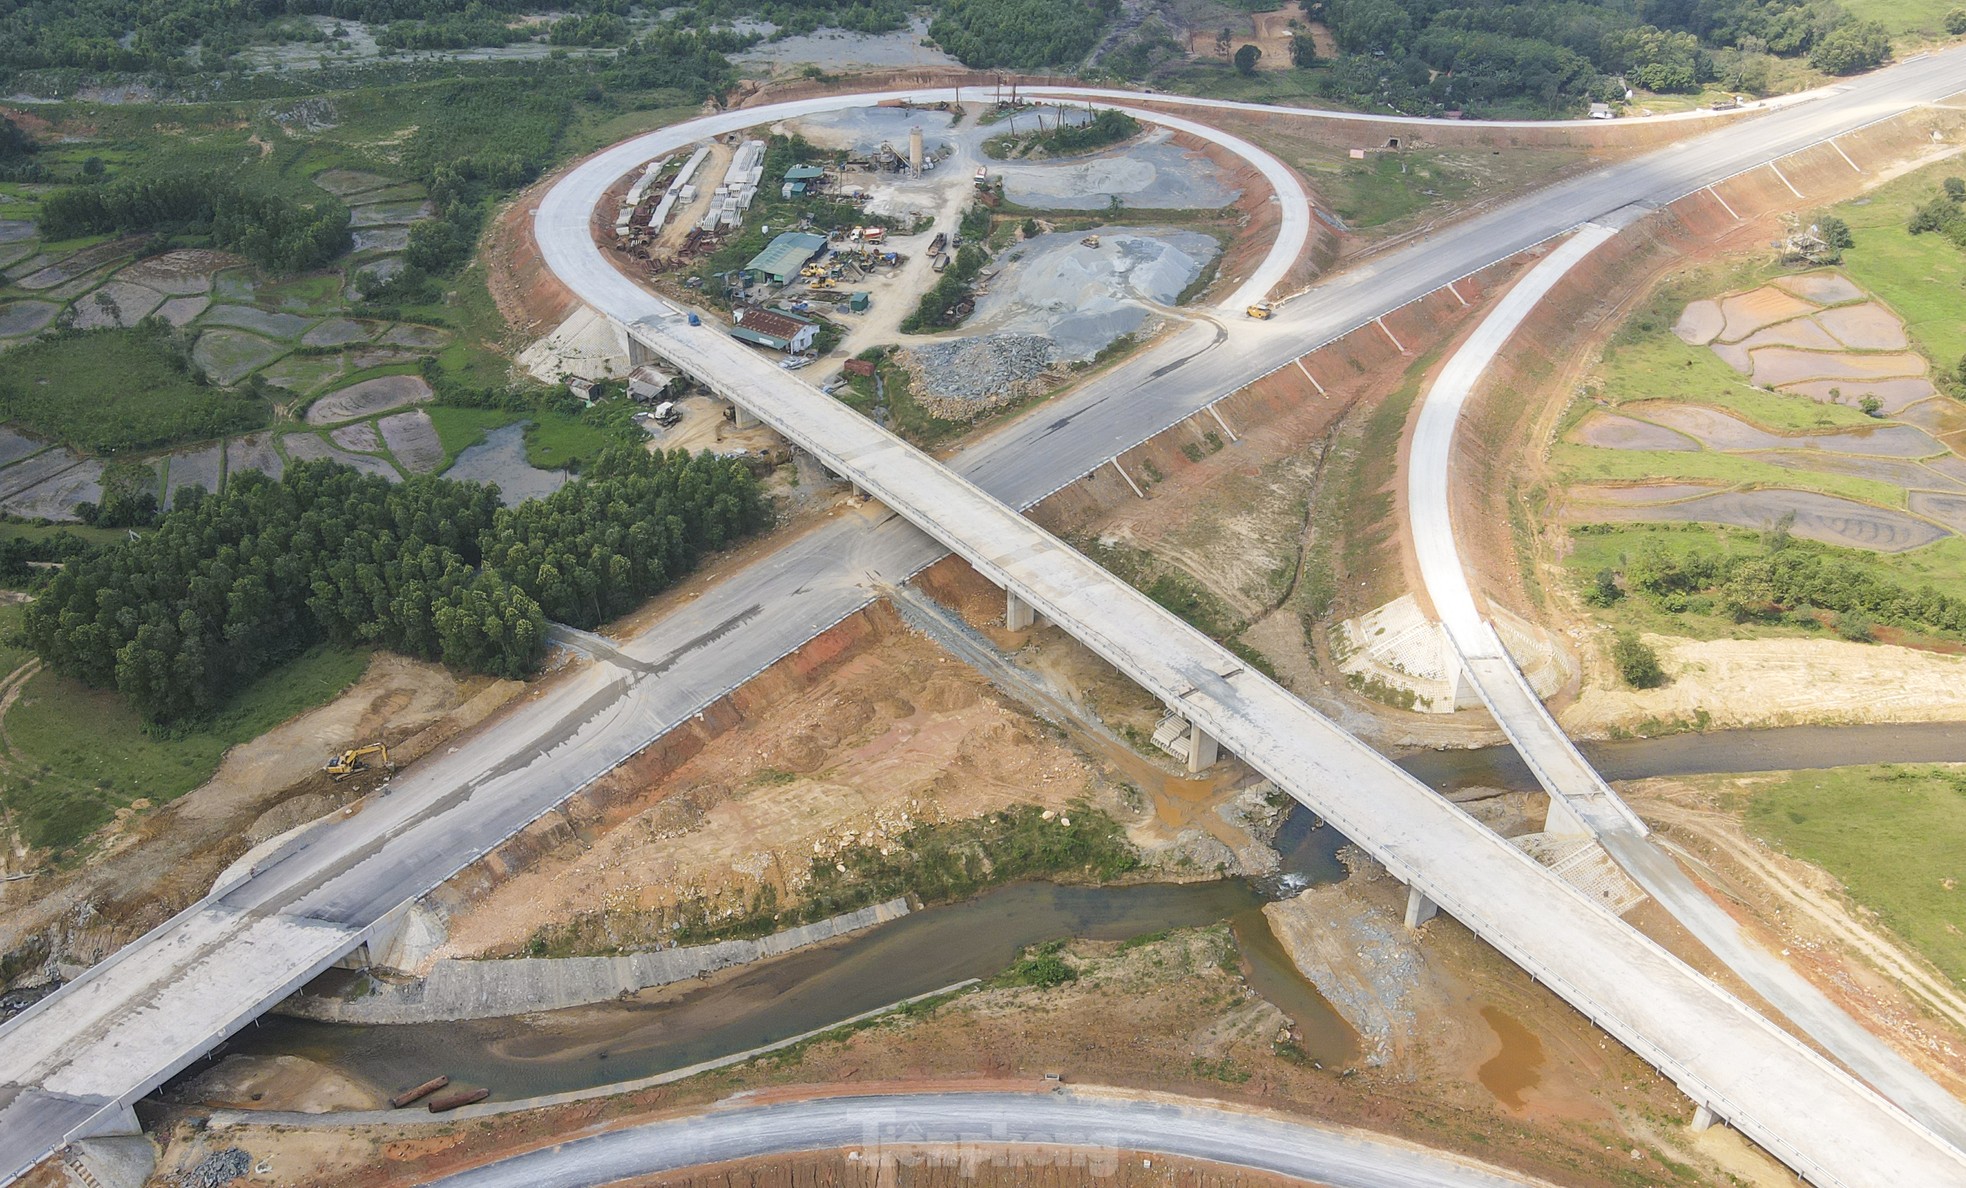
230	585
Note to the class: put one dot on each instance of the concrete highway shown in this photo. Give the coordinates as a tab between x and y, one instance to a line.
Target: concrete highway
1572	783
77	1059
1074	1129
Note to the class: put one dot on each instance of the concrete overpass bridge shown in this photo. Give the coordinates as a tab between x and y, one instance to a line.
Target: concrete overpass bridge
72	1065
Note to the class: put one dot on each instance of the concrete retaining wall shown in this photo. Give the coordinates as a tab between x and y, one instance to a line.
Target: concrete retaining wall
489	989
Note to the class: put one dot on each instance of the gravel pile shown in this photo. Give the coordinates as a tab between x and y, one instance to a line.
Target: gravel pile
957	380
216	1171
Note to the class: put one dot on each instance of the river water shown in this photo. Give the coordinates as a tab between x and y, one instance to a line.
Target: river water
583	1047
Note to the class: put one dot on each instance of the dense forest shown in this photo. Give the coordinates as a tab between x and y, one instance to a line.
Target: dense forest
229	585
1023	34
1417	55
633	524
273	232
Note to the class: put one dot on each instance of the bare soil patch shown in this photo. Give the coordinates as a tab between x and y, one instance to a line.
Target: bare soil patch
1732	683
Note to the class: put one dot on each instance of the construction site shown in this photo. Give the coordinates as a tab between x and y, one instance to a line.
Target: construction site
942	842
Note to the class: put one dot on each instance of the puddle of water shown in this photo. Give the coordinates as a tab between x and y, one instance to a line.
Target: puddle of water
1518	1066
1322	1033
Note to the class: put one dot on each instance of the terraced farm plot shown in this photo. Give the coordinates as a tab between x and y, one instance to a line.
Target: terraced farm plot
347	183
259	321
15	446
368	398
338	332
1717	430
26	317
180	273
229	356
25	476
180	311
203	466
253	452
309	447
360	437
304	373
16	230
413	439
115	304
379	214
1824	518
1892	395
1613	432
427	338
1889	486
380	239
55	498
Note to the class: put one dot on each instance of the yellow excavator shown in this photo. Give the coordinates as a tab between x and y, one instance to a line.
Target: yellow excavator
347	763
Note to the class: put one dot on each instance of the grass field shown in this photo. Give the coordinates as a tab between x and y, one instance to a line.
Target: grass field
1656	365
1591	464
1388	187
1926	17
108	390
461	428
79	754
1919	276
1941	565
1895	836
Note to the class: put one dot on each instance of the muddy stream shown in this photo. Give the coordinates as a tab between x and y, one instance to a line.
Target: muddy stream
559	1051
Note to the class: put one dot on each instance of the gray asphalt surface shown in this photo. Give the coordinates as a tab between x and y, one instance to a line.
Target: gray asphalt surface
1050	1130
69	1062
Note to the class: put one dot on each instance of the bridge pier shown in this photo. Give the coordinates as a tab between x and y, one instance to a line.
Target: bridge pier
1017	613
1419	909
741	417
1705	1119
1203	750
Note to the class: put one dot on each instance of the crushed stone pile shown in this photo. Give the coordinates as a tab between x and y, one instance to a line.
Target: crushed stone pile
959	379
220	1169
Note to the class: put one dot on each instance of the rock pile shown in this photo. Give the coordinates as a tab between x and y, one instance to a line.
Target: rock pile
218	1170
959	379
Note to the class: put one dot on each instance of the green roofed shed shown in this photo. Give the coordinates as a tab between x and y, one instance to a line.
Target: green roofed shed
786	254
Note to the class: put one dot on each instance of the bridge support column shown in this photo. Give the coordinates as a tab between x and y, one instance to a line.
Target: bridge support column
742	418
1017	613
1704	1118
1203	750
1419	909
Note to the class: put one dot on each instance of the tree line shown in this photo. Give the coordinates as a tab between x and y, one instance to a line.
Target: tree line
1417	56
1787	577
276	233
1021	34
230	584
